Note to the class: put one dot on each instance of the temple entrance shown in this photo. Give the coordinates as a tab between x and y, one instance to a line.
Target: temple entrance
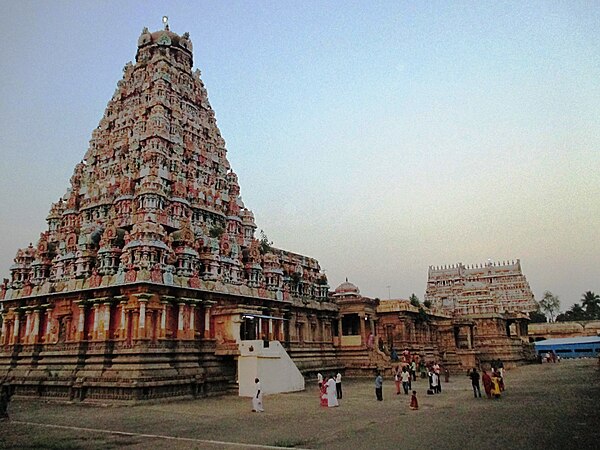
249	328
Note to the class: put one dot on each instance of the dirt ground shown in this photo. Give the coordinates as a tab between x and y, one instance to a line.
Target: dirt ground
544	406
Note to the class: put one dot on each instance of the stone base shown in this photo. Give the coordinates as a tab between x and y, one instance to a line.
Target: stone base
116	371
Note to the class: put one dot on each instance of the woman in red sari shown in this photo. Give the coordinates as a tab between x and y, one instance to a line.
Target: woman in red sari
487	384
323	394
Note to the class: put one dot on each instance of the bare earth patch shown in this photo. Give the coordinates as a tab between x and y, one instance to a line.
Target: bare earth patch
545	406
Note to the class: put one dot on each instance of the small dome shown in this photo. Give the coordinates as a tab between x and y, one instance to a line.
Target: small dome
347	288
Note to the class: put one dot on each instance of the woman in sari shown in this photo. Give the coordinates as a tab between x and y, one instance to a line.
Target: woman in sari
495	385
487	384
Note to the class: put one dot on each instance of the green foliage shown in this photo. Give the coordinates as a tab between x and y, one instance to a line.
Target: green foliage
589	309
216	231
427	304
414	300
265	244
538	317
591	302
550	305
422	316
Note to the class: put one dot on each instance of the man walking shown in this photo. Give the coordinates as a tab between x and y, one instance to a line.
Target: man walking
474	376
379	386
338	385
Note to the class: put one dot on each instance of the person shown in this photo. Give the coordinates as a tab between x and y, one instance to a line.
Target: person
338	385
257	400
414	403
379	386
394	354
446	375
332	400
413	369
496	385
435	383
323	394
437	370
487	384
319	379
405	376
397	379
474	376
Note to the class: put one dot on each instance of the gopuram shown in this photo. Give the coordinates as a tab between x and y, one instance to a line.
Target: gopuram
489	305
149	273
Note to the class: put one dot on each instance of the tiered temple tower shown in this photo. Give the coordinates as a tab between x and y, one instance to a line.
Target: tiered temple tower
150	268
494	287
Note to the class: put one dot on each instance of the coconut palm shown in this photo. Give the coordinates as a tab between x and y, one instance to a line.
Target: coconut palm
591	302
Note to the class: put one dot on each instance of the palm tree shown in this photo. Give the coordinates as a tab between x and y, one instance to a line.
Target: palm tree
591	303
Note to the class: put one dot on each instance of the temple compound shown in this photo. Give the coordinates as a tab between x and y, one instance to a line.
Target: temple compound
150	283
489	305
149	273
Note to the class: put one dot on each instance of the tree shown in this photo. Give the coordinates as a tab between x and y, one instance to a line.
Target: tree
550	304
575	313
414	300
591	302
537	316
265	244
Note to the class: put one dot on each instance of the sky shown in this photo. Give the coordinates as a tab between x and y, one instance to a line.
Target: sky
378	137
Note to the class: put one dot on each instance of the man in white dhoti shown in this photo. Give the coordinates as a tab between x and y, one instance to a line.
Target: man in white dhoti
331	393
257	400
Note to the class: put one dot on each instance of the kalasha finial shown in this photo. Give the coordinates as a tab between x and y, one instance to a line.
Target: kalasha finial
165	20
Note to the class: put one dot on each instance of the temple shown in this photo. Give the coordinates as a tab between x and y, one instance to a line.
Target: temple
489	305
150	282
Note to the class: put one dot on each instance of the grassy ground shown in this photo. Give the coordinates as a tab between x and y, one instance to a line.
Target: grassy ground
545	406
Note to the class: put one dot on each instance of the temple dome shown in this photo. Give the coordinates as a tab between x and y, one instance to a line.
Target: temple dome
347	288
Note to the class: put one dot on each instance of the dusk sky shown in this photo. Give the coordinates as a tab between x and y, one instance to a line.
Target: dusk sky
378	137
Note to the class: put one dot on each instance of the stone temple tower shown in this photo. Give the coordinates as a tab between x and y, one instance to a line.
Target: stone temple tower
149	269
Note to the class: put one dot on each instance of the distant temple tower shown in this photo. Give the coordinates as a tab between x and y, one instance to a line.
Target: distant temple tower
479	289
149	268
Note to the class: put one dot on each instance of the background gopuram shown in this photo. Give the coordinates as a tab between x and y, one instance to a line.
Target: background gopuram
489	305
150	272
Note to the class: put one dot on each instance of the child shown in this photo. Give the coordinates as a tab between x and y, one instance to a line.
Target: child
414	403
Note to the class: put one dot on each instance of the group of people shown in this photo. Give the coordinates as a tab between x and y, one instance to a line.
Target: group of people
493	384
330	391
406	385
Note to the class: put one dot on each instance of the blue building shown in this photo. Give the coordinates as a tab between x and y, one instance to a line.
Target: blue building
576	347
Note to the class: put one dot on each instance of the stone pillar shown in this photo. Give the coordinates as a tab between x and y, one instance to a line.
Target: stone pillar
122	303
81	323
372	324
469	337
363	338
36	326
16	326
96	321
339	328
207	321
163	320
107	306
270	333
192	321
48	324
142	319
180	331
3	333
27	327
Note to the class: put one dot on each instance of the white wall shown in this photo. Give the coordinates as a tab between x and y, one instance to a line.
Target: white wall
272	366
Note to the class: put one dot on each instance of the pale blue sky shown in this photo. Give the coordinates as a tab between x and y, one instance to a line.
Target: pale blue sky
377	137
